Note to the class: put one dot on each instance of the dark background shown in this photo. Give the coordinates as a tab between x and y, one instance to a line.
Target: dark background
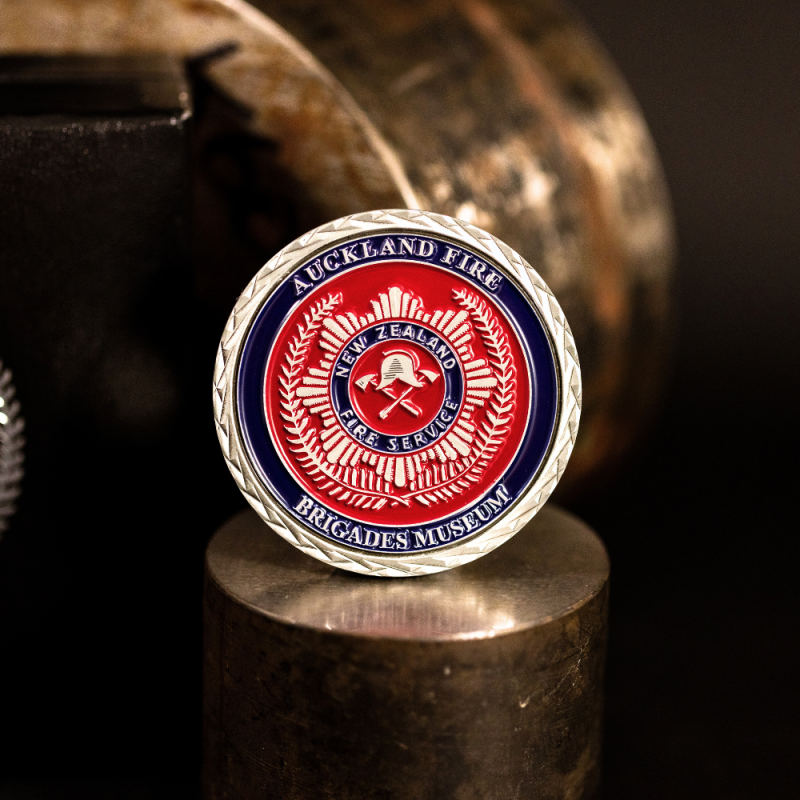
702	530
702	673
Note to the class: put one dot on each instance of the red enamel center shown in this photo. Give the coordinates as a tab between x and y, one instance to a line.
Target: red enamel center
396	389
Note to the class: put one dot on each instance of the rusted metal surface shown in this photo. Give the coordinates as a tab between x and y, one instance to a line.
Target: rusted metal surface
509	115
327	141
483	683
502	113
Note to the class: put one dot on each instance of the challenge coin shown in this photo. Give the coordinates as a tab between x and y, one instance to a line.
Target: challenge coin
397	392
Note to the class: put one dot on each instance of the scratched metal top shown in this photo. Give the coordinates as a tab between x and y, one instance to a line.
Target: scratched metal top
553	565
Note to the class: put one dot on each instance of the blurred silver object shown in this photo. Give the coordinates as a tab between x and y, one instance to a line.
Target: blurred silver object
11	448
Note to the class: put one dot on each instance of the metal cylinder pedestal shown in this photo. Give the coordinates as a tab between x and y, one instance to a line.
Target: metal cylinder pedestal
481	683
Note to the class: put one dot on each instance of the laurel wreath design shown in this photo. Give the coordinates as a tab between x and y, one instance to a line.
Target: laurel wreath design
303	439
347	483
12	443
491	435
247	476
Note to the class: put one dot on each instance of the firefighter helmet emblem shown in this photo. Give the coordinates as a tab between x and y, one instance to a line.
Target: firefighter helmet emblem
400	365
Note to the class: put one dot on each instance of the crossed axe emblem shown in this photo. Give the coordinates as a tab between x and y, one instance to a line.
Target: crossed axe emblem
398	365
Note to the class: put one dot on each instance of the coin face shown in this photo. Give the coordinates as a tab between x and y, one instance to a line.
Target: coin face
397	392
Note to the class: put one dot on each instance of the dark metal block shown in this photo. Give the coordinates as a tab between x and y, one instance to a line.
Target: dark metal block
95	309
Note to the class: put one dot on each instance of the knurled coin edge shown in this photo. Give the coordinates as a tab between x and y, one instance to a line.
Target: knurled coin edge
12	444
551	469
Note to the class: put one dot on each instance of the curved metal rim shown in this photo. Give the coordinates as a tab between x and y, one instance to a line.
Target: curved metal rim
251	301
11	448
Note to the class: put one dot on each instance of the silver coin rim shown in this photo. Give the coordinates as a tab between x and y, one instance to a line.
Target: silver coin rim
402	564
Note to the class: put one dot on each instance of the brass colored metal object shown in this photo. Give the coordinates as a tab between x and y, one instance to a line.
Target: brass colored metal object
505	114
482	683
